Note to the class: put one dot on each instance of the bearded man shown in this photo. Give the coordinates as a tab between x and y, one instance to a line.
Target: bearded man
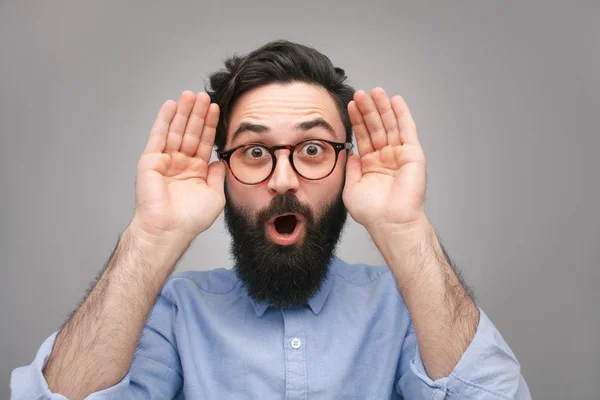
290	320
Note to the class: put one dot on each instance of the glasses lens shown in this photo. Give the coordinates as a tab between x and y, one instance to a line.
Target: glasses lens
314	159
251	164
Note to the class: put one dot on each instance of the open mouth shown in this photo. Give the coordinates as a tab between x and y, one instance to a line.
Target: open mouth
285	229
285	224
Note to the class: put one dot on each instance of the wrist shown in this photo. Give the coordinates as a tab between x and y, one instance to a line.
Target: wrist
404	246
148	235
405	234
159	249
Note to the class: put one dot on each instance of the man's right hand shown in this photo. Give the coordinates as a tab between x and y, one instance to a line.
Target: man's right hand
178	194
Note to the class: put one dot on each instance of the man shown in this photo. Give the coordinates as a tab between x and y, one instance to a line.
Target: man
290	320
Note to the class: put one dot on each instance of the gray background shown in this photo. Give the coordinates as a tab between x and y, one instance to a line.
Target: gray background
504	96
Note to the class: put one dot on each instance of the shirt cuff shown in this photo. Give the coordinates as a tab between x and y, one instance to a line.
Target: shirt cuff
487	367
28	382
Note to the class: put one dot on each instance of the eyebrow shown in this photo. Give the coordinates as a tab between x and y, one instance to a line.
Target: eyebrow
301	126
319	122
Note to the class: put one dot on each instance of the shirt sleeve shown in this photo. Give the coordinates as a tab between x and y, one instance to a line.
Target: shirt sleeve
487	370
155	372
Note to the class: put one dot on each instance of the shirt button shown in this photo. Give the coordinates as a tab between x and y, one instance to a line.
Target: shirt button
296	343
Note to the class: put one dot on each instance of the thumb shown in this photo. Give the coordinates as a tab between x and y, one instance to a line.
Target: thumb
216	174
353	169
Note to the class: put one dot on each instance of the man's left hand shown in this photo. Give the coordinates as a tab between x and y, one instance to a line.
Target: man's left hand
385	183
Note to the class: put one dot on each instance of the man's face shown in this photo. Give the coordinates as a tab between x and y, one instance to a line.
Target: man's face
285	229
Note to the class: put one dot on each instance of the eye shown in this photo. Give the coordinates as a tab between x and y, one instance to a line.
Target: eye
255	152
312	149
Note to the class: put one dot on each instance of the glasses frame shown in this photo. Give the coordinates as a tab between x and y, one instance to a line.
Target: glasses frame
225	155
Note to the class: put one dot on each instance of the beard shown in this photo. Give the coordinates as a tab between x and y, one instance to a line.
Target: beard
284	276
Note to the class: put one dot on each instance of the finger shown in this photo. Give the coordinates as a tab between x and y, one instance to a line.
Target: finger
372	119
194	126
384	108
207	139
406	124
363	141
158	133
177	127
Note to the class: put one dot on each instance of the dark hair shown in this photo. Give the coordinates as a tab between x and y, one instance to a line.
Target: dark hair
277	62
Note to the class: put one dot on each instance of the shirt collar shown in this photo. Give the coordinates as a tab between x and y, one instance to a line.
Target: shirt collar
315	303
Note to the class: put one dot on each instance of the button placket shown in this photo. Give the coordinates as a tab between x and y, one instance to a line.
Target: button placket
295	356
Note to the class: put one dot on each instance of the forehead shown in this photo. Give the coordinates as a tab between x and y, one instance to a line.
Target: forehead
280	107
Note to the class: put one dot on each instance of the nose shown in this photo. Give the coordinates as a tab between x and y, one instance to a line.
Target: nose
284	177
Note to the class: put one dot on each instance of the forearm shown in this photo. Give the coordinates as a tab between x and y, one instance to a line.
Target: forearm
95	348
443	314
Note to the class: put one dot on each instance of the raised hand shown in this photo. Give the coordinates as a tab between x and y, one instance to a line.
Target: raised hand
177	191
385	183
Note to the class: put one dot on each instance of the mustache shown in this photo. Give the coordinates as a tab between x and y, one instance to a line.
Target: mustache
286	203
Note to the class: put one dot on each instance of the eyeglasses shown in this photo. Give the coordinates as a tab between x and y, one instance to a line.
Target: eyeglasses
254	163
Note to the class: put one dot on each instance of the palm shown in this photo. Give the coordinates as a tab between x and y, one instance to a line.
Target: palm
176	188
386	184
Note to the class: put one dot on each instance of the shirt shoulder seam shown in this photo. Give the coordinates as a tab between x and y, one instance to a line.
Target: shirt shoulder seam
376	278
175	278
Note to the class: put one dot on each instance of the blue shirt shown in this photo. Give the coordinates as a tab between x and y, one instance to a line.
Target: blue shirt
205	338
